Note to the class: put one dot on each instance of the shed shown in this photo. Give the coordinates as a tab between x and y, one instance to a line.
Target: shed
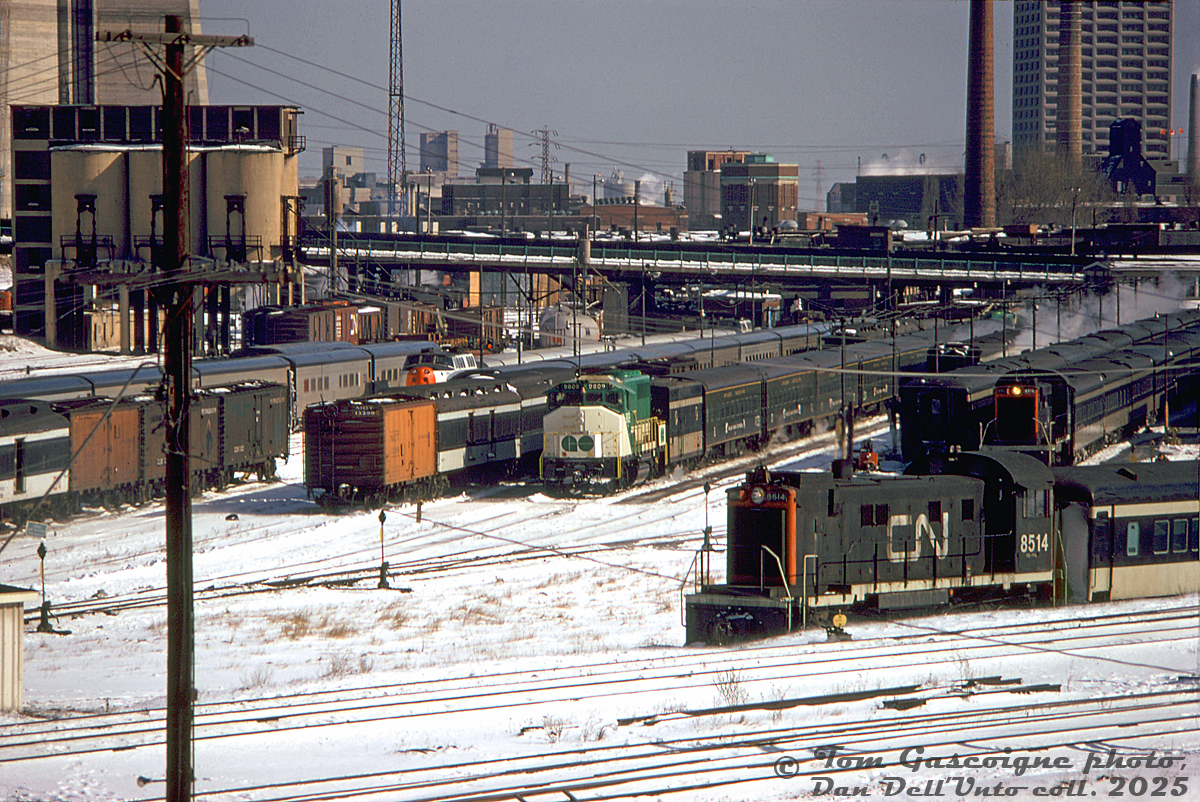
12	646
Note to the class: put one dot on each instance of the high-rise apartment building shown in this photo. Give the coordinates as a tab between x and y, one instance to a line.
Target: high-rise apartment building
1125	61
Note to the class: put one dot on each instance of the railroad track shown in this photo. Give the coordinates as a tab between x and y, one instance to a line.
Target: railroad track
724	472
639	682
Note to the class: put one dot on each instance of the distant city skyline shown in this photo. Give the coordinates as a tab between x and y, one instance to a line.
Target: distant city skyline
634	85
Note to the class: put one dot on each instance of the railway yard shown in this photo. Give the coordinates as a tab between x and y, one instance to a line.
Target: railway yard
532	648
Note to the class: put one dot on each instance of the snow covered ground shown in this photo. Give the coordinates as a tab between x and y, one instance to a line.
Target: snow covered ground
533	647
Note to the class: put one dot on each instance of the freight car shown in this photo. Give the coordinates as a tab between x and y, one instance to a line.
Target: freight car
414	444
975	526
954	410
602	436
95	451
1063	415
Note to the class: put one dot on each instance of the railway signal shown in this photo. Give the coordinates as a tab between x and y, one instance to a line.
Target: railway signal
383	566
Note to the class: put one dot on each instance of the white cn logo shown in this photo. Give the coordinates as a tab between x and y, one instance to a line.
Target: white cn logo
909	532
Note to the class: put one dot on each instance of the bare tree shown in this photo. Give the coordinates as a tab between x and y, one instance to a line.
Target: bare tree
1041	188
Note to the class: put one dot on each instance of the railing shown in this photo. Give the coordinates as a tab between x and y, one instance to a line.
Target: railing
717	259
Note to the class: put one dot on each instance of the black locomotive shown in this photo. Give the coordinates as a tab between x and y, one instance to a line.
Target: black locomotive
964	409
974	526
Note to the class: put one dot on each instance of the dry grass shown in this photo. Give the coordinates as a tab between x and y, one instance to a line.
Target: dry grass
256	678
731	689
344	664
394	617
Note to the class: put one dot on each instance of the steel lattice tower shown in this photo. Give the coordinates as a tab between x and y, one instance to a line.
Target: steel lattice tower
397	170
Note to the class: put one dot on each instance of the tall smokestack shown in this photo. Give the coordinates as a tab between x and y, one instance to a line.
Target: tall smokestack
1193	152
1069	122
979	205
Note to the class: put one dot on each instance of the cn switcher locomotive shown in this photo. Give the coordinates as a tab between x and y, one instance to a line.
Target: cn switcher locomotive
968	527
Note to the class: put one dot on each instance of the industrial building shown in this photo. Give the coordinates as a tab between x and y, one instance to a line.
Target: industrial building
1125	72
49	54
88	217
758	192
439	154
702	186
497	147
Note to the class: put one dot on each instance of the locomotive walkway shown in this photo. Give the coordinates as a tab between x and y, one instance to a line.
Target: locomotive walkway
705	261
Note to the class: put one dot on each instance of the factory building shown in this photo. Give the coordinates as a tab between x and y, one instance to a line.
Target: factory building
439	154
1124	65
702	186
497	147
509	191
88	215
758	192
49	54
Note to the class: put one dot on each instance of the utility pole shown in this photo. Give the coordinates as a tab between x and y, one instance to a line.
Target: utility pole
175	296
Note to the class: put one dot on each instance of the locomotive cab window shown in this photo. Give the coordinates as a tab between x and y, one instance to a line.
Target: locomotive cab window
1194	535
1035	504
968	509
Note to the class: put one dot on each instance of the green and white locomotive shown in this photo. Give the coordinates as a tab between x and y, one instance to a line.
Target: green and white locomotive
600	434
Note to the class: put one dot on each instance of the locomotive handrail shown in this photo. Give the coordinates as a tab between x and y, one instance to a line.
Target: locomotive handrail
782	575
683	586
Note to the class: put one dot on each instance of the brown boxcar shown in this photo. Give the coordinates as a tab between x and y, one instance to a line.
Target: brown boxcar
106	447
369	450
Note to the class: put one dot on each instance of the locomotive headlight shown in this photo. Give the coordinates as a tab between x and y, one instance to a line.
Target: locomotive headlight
1016	390
758	495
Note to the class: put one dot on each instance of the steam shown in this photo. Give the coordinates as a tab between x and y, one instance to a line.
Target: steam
908	162
1092	313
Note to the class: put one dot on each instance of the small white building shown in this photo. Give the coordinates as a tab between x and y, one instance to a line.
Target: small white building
12	645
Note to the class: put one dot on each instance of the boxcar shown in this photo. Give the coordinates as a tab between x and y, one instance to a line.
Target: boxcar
369	450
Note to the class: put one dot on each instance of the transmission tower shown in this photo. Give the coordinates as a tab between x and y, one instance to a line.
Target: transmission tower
397	169
547	160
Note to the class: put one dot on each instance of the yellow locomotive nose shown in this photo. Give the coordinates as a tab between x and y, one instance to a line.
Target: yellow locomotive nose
421	374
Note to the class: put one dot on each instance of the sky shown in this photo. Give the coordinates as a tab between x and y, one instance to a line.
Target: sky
634	84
